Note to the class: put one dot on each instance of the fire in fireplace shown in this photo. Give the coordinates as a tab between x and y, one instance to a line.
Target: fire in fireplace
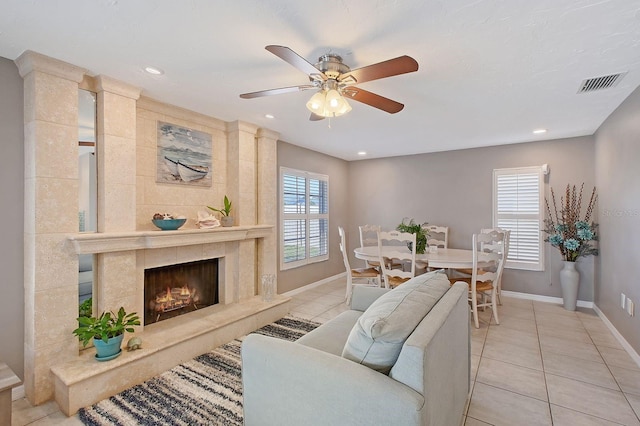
175	290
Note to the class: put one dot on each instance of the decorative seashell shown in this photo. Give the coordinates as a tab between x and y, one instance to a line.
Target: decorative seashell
207	220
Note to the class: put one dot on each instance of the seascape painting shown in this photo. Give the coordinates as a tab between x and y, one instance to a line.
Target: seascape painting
184	156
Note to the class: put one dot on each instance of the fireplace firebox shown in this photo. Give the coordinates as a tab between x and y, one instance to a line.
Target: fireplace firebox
175	290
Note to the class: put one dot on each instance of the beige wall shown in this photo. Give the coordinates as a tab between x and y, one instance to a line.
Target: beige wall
299	158
617	151
11	200
454	188
153	197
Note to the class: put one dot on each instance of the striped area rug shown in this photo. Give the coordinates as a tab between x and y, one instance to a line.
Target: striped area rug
206	390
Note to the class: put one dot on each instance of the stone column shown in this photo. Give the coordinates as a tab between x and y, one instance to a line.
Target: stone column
267	196
116	157
241	189
51	213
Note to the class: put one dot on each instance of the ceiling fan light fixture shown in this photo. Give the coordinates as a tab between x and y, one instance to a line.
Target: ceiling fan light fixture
328	103
316	103
334	101
344	108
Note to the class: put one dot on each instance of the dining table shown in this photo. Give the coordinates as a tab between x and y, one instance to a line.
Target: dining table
444	258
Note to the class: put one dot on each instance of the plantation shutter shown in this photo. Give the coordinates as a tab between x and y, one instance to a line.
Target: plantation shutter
304	218
518	208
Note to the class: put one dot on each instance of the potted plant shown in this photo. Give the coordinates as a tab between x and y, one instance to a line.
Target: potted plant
107	332
418	229
85	308
225	219
571	235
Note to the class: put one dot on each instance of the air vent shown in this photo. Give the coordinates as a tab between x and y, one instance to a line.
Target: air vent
598	83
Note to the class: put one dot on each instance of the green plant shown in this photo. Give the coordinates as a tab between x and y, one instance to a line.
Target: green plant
567	232
106	326
418	229
224	211
86	309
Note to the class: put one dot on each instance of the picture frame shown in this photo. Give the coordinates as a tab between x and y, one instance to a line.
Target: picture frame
183	155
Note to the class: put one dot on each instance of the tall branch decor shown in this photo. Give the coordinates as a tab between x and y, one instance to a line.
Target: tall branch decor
570	234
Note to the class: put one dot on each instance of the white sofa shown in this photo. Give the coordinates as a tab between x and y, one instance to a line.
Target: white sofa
313	382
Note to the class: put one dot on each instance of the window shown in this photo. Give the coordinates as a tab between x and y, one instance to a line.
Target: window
517	207
304	218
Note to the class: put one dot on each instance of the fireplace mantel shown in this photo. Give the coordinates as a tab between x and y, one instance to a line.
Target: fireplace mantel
92	243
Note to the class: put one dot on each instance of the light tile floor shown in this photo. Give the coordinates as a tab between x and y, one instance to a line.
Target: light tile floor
542	365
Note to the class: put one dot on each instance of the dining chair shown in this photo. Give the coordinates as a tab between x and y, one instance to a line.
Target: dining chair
438	236
370	274
397	248
488	264
369	237
503	245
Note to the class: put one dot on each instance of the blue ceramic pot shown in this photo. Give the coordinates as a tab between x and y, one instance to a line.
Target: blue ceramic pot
108	350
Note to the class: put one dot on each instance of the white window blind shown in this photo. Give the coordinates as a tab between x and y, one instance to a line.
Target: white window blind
517	207
304	218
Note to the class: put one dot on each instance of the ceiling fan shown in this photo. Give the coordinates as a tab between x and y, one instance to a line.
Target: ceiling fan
335	81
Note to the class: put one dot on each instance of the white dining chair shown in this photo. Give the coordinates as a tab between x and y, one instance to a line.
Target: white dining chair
370	275
488	264
500	246
438	236
397	247
503	246
369	237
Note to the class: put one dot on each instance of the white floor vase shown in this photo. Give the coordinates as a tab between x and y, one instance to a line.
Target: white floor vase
569	281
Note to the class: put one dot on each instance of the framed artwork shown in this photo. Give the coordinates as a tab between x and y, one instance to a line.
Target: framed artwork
183	156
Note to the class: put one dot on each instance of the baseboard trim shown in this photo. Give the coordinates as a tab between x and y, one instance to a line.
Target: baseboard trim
314	284
547	299
17	393
627	347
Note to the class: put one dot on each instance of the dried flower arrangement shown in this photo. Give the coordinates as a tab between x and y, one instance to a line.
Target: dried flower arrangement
567	232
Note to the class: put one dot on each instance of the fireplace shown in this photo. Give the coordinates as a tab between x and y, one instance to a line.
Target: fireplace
175	290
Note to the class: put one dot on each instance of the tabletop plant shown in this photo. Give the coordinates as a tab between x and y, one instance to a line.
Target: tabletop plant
566	231
226	210
415	228
105	326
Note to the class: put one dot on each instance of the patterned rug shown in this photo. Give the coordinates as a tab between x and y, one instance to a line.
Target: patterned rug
206	390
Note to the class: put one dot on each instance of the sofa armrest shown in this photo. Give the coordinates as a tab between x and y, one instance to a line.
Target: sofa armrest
285	383
362	296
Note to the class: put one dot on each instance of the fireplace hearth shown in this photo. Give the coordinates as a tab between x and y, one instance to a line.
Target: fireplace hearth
175	290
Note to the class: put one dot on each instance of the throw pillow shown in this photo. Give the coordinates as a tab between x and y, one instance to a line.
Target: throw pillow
377	337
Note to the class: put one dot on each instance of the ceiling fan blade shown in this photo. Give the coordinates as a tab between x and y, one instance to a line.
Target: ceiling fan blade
297	61
400	65
277	91
376	101
315	117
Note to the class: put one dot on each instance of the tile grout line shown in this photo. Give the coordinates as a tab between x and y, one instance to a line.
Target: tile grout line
624	395
544	373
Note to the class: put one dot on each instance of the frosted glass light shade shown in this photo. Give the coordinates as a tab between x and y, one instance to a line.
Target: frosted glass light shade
328	104
316	103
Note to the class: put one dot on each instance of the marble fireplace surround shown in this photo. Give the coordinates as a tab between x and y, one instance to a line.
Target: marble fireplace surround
84	381
245	169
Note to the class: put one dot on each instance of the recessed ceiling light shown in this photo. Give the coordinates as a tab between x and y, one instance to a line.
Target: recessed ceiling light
362	153
539	131
270	116
154	70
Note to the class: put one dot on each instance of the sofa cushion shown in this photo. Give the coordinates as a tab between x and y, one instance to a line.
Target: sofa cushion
377	337
331	336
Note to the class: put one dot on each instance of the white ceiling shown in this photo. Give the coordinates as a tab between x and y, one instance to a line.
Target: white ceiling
490	71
